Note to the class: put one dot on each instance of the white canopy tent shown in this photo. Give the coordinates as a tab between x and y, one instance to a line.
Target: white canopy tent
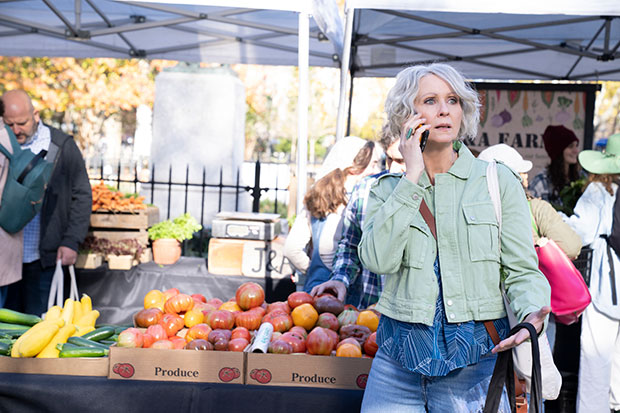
486	39
272	32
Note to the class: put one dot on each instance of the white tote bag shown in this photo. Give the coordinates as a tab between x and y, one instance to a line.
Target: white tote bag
522	354
56	296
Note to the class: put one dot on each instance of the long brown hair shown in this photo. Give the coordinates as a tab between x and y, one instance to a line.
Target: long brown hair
555	170
605	179
361	160
327	194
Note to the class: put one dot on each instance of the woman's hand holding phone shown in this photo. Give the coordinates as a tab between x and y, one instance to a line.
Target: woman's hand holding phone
411	149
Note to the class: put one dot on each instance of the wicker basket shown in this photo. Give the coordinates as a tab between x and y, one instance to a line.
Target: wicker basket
584	263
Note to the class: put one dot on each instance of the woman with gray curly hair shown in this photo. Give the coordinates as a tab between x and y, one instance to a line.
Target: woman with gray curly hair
433	232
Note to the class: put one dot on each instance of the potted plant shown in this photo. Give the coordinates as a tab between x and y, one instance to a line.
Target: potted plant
167	236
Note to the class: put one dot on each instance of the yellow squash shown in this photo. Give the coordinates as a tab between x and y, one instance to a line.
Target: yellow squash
53	313
36	338
87	304
77	311
80	330
88	319
67	311
50	350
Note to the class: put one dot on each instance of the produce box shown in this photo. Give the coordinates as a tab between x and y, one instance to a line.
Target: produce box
246	225
301	370
127	220
116	226
248	258
176	365
70	367
88	261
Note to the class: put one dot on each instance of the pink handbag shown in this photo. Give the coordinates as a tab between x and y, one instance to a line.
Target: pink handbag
569	293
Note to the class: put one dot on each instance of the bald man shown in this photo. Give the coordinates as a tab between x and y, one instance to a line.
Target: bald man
61	225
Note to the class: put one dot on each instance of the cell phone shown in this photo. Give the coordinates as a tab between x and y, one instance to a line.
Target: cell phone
423	138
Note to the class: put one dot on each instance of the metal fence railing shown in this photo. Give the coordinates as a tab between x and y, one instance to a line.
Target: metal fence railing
130	177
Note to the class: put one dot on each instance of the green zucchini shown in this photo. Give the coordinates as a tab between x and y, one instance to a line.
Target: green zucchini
15	317
13	327
83	342
99	334
12	333
107	342
5	349
62	346
83	352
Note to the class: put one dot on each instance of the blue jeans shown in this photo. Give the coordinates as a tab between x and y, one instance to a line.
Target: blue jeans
31	293
394	389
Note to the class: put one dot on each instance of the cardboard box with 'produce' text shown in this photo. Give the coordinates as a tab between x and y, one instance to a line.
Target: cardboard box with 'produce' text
307	371
176	365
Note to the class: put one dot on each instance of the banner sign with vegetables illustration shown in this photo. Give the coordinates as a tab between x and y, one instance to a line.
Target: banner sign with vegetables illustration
517	114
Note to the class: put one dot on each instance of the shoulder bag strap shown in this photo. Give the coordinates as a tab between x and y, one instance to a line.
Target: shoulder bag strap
429	218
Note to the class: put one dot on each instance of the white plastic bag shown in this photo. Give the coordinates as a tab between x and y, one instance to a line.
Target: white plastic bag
56	296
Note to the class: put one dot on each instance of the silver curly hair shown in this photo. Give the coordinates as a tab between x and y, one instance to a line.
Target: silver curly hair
399	101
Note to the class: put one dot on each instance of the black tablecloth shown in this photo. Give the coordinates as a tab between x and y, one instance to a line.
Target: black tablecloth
50	393
120	294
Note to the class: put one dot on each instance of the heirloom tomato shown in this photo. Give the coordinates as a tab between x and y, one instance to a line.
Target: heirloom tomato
172	323
298	343
178	343
163	344
221	319
328	320
131	337
148	317
278	305
199	344
171	292
250	295
327	303
193	317
199	297
298	298
369	319
230	306
348	316
304	316
300	331
370	345
178	304
237	344
349	350
154	299
280	321
249	319
157	331
280	347
319	342
147	340
241	332
201	330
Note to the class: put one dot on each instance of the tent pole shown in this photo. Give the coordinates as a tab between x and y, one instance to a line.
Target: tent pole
302	107
344	71
352	77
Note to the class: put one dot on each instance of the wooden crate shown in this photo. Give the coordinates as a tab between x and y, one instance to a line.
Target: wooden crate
125	220
116	235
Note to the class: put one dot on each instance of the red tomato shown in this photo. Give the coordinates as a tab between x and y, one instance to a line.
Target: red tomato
328	320
241	332
237	344
280	320
319	342
298	298
298	344
370	345
280	347
221	319
178	304
249	295
279	305
199	297
163	344
172	323
147	340
170	293
178	343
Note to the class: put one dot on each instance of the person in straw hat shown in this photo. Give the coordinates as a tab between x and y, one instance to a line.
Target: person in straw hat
599	366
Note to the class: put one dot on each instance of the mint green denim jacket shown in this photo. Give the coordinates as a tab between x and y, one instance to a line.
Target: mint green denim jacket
397	242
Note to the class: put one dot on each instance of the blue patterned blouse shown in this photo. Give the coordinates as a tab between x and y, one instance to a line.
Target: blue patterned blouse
438	349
